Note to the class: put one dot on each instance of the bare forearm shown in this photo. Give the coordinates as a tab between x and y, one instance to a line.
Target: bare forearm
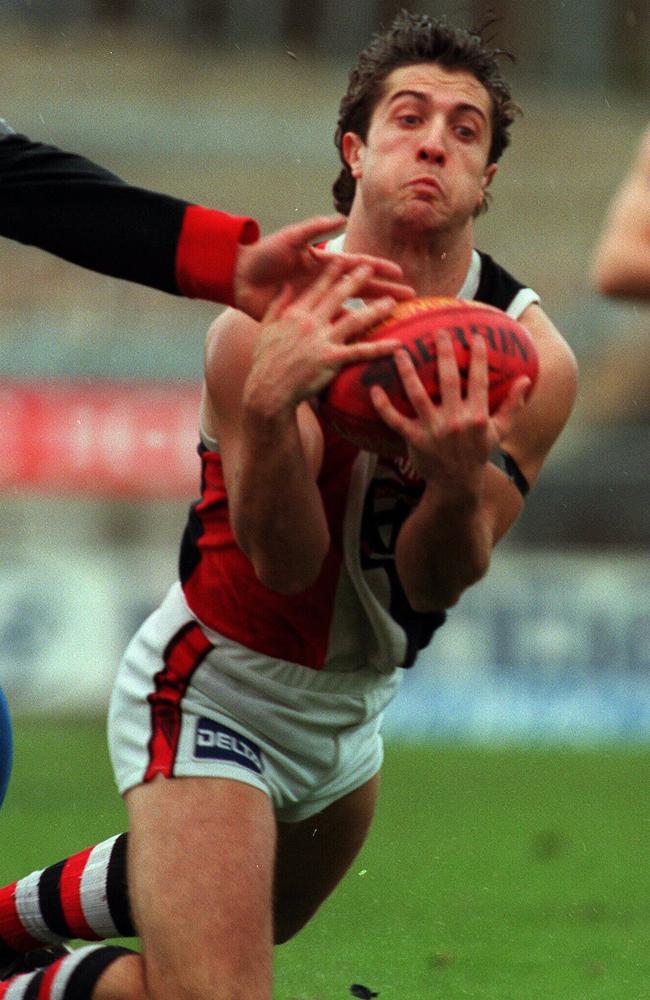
443	548
621	267
276	510
621	264
272	441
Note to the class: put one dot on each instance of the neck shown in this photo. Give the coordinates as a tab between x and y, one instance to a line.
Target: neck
435	264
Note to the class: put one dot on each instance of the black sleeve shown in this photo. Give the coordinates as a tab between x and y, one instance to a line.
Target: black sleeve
64	203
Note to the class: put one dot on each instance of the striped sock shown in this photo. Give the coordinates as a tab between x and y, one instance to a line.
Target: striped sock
71	978
84	896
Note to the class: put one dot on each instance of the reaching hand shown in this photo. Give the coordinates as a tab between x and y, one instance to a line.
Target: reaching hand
306	338
288	256
451	442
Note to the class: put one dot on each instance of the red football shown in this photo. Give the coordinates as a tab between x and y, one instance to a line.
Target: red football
346	403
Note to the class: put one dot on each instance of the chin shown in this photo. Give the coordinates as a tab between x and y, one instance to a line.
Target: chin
419	222
422	209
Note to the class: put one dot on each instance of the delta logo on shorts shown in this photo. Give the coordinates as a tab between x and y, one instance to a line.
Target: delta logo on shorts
217	742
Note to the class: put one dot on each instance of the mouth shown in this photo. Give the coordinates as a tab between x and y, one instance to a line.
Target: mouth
427	184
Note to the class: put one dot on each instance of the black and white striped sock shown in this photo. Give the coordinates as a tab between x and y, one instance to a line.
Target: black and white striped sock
84	896
70	978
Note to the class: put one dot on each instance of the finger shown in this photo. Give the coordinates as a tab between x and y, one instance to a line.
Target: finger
478	377
355	322
381	267
277	305
392	417
328	294
448	373
376	286
415	391
504	416
364	350
299	234
331	287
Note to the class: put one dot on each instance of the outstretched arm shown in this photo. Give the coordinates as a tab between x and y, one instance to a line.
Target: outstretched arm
621	263
71	207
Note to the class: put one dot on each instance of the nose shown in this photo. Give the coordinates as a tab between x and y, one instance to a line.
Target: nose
432	147
432	154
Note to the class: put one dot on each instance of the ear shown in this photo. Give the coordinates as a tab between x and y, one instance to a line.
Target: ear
488	176
352	148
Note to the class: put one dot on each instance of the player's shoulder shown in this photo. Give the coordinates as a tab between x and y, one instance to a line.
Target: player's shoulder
553	398
227	358
229	342
498	287
555	352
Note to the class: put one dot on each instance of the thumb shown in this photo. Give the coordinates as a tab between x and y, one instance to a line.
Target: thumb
512	404
301	233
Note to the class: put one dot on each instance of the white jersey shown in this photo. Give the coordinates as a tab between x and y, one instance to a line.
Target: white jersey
229	679
356	615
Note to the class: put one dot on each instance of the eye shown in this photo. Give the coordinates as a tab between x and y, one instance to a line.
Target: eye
410	119
466	131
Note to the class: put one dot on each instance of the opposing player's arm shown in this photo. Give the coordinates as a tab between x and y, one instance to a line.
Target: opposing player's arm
78	210
270	463
621	261
48	197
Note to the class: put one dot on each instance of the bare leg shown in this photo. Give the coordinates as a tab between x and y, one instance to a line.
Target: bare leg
200	863
314	855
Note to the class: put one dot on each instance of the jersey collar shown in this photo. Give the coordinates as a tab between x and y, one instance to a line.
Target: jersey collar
467	290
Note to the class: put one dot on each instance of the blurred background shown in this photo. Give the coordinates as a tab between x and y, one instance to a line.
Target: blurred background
234	104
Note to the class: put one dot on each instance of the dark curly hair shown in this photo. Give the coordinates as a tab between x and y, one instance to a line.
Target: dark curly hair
417	38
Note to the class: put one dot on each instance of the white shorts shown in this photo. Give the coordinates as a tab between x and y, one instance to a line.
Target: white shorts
189	702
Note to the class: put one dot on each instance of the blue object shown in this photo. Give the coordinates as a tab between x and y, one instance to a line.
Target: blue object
6	745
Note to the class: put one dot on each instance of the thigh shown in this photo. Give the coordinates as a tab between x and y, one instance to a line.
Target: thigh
314	855
201	853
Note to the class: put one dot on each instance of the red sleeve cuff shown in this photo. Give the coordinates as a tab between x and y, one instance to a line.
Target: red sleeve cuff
206	252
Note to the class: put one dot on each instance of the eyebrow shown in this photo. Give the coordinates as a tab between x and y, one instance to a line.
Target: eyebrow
423	98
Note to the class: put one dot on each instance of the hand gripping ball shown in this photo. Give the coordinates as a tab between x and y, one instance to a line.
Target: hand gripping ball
346	404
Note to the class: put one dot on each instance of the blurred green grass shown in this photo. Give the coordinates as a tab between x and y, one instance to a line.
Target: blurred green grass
495	874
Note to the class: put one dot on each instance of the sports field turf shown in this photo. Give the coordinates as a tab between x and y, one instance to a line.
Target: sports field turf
510	874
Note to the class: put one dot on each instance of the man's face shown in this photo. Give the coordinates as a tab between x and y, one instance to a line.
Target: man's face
424	162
